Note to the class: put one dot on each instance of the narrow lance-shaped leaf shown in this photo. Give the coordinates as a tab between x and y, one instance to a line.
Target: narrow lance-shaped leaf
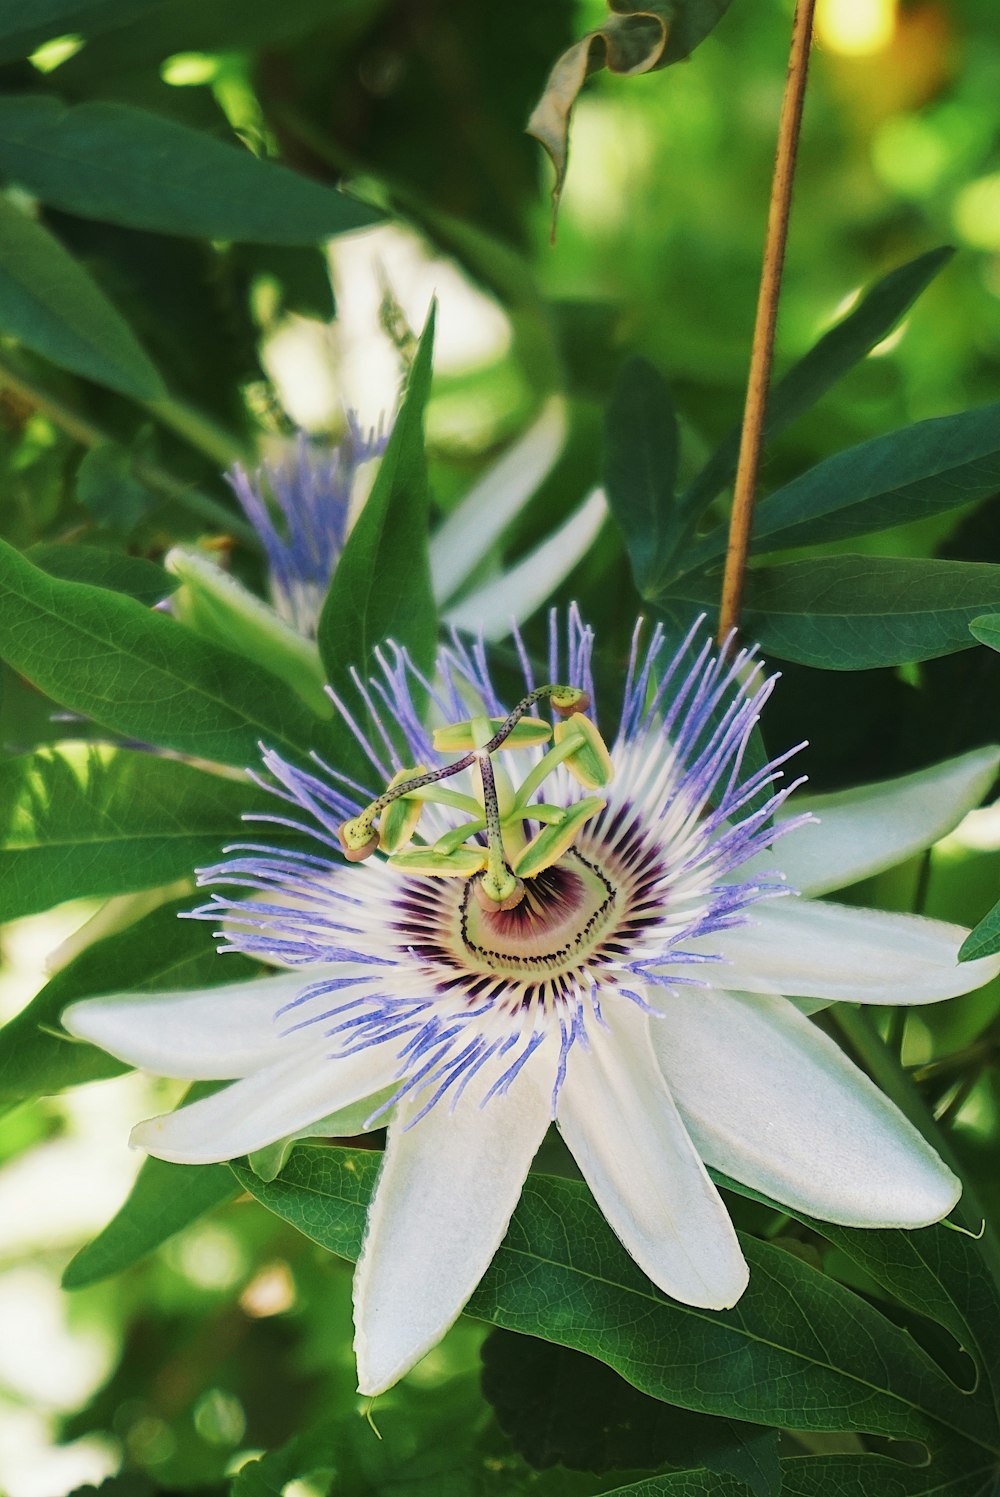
640	467
166	176
798	1350
923	470
143	674
82	820
164	1200
49	303
983	939
858	612
381	588
837	351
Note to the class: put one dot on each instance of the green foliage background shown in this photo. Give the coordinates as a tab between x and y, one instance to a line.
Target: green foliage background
170	171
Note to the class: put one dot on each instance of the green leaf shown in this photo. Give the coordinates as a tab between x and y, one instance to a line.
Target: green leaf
158	952
381	588
636	36
556	1406
142	580
82	820
49	303
144	674
798	1351
836	352
937	1271
216	605
987	630
691	22
847	613
983	939
164	1200
268	1476
127	166
640	467
107	487
911	474
831	1476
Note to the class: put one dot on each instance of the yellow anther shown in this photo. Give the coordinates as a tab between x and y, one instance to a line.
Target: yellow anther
554	840
399	820
460	862
590	763
456	738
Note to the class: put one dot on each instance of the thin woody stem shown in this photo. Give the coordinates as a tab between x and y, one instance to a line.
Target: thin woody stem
762	352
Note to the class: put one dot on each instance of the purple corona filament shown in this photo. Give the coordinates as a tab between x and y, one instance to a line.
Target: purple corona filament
300	508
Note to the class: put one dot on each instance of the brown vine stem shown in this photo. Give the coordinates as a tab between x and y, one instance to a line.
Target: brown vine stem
762	351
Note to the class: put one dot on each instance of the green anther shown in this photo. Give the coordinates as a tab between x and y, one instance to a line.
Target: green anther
399	821
590	762
391	820
448	841
552	841
461	862
456	737
539	810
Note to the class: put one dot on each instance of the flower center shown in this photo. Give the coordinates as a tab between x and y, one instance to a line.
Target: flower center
565	910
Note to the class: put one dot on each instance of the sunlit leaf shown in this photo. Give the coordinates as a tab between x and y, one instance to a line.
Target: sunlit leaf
142	674
629	41
81	820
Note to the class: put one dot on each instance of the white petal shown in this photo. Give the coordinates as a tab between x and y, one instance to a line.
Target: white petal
299	1088
463	539
862	831
811	948
445	1196
620	1122
521	589
204	1034
772	1101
